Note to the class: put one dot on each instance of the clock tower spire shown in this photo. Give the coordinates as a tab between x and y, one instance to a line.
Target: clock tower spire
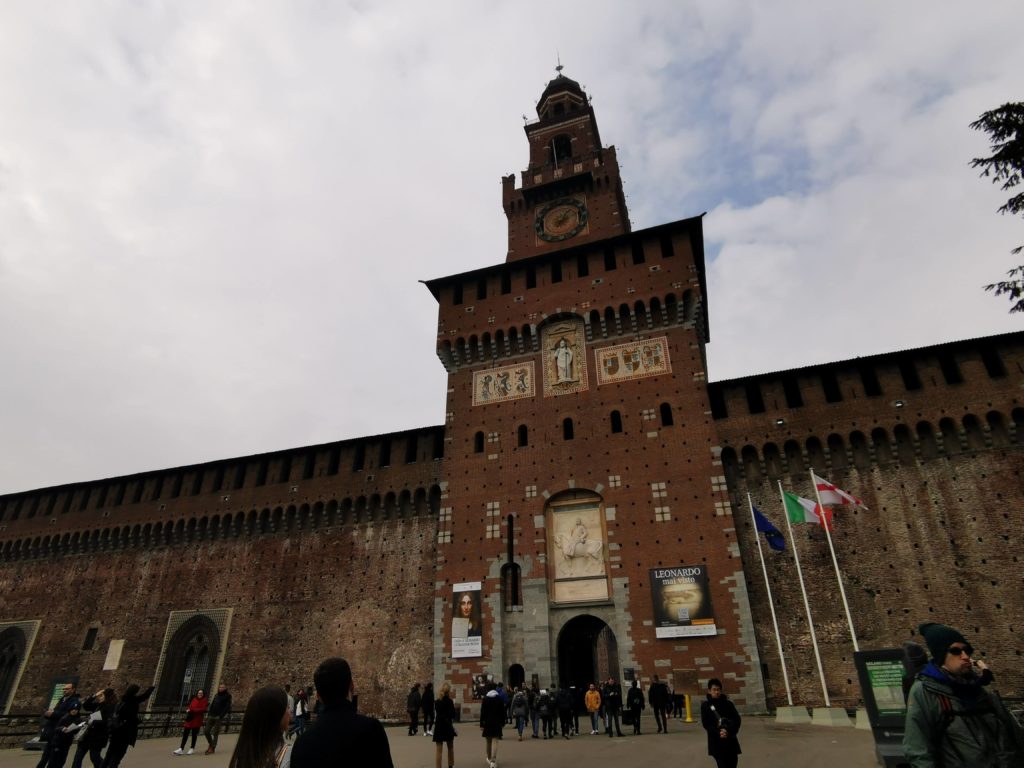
571	192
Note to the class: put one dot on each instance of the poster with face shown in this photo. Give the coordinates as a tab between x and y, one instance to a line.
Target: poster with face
467	626
682	602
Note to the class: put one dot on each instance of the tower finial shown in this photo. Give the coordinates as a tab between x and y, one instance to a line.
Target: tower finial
559	68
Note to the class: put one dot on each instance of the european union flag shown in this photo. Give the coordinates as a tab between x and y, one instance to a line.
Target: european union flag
775	539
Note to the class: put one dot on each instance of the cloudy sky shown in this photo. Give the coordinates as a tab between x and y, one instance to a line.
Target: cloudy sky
214	216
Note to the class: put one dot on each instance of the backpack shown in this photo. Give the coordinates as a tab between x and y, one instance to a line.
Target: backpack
544	705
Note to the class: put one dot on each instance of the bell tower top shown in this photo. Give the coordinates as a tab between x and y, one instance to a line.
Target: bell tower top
571	192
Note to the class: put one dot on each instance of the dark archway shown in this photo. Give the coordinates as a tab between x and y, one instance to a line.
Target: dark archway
12	651
190	661
587	652
516	677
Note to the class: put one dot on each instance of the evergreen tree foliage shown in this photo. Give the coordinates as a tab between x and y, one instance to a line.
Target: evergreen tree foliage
1005	128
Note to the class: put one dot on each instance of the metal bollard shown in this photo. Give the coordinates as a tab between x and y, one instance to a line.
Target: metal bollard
689	711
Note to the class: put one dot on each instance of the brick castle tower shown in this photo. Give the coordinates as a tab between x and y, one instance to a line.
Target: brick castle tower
584	526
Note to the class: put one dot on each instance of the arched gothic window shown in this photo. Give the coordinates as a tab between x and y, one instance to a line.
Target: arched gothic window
190	661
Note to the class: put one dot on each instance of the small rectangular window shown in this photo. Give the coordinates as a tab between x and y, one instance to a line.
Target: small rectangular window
506	282
667	251
718	408
993	363
481	288
531	277
609	259
908	371
90	639
261	473
556	272
638	252
457	293
239	476
869	379
197	483
950	368
830	384
755	401
286	470
359	458
582	265
410	450
791	389
334	461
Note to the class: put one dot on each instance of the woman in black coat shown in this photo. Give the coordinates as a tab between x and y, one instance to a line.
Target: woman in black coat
124	724
444	725
492	720
720	719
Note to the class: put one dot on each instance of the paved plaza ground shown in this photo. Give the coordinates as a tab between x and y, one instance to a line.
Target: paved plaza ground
764	744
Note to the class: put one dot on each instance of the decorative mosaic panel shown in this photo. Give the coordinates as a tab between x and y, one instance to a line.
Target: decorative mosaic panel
564	357
496	385
635	360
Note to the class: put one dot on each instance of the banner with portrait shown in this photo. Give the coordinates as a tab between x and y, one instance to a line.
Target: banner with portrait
682	602
467	623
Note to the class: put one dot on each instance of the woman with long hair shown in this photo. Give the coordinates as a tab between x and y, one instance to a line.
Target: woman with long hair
261	738
444	727
124	724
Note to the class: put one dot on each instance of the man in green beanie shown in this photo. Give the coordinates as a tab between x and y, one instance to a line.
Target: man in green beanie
952	721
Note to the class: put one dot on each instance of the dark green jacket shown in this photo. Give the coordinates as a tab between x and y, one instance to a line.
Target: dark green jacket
972	734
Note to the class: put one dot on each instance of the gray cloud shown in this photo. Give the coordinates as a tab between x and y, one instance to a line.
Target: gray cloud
213	218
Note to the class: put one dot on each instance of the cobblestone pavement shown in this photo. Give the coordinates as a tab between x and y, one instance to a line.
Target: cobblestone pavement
764	744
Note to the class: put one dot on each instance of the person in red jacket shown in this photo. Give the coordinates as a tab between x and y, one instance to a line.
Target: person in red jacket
193	722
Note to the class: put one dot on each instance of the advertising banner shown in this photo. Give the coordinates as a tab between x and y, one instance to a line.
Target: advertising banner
682	602
467	626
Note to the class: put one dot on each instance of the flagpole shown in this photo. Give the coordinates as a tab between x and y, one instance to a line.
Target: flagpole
771	604
842	592
803	591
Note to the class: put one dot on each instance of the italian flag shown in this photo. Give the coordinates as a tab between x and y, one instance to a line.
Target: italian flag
801	510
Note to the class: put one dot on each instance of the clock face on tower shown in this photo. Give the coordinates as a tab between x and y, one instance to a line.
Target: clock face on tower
560	219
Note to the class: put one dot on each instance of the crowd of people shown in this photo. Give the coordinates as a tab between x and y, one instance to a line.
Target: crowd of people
952	719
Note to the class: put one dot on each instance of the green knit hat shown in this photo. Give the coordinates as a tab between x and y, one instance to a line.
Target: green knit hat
938	638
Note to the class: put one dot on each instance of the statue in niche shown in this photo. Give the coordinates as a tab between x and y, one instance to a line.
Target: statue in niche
565	368
579	552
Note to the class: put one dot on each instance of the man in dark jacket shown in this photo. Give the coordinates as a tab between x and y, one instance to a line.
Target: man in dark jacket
216	716
412	706
340	736
68	701
611	695
952	720
658	696
720	719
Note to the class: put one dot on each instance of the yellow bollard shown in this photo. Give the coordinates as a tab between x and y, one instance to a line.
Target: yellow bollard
689	711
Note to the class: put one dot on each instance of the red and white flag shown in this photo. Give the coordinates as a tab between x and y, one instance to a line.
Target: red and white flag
832	495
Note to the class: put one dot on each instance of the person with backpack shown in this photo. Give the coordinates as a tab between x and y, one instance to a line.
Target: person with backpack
952	720
546	713
520	710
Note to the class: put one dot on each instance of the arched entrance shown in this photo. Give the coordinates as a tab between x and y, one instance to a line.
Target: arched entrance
587	652
190	661
516	676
